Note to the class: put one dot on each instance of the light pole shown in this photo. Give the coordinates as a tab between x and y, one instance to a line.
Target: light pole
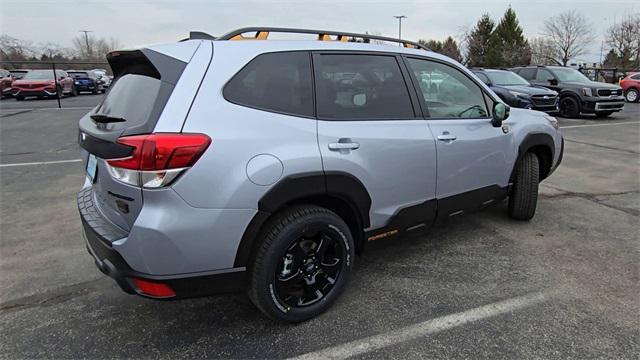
86	40
400	17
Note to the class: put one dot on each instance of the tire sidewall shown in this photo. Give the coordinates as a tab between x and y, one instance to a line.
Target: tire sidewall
266	279
631	91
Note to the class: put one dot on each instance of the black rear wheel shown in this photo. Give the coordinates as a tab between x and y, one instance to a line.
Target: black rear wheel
302	264
569	107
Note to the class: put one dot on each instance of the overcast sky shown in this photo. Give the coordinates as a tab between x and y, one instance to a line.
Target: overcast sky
141	22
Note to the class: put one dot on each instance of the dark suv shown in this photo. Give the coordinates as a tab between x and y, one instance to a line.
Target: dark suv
518	92
578	94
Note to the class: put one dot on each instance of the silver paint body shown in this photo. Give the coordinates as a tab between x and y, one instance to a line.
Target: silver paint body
196	224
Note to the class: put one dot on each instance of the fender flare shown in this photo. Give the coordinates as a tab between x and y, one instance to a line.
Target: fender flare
530	141
298	187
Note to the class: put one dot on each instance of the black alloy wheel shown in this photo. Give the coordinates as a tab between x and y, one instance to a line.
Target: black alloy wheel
569	107
309	267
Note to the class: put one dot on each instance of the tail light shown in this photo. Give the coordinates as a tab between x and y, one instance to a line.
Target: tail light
157	159
153	289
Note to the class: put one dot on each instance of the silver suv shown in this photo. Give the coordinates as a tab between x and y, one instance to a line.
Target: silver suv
221	165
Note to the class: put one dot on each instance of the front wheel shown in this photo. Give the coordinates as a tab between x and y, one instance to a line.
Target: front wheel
524	194
302	264
631	95
569	107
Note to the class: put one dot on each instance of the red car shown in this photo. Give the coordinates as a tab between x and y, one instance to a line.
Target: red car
41	83
631	86
5	83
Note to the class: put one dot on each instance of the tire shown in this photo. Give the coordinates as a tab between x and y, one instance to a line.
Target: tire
19	98
524	194
282	266
603	114
631	95
569	107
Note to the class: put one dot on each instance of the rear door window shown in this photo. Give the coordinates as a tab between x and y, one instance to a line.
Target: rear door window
527	73
544	75
279	82
354	86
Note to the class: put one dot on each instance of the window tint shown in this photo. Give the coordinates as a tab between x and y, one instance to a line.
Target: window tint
527	73
544	75
361	87
636	77
278	82
448	92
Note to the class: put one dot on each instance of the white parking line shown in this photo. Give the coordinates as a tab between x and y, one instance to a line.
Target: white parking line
41	163
428	327
595	125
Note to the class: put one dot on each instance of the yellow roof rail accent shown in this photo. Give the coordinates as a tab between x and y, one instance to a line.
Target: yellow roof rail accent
262	33
327	37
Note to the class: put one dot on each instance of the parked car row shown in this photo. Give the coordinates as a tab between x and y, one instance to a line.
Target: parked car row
41	83
559	89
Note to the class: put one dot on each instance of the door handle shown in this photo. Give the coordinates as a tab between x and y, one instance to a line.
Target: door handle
446	136
344	146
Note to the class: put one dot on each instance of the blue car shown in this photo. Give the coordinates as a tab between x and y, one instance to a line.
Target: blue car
518	92
86	80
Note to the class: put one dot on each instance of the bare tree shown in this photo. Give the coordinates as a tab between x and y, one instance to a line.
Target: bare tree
542	51
13	49
570	34
92	48
623	39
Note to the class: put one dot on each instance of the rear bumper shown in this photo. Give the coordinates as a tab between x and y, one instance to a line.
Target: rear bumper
98	239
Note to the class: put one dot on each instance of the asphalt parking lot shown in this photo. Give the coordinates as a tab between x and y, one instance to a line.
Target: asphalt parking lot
565	285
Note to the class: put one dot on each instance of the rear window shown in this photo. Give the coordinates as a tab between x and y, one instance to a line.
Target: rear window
279	82
132	98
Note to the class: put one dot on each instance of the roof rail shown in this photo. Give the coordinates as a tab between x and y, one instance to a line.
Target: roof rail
262	33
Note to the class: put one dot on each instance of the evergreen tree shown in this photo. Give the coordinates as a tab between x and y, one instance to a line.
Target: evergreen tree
448	47
508	46
478	41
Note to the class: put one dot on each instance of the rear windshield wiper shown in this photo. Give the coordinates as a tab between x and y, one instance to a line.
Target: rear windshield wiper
105	119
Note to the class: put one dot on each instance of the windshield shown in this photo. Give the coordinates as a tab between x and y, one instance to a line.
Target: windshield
568	74
39	75
506	78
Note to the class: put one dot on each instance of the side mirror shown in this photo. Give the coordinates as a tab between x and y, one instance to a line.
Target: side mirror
553	82
500	114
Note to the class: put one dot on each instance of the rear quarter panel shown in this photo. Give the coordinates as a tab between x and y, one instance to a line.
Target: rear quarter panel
219	179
